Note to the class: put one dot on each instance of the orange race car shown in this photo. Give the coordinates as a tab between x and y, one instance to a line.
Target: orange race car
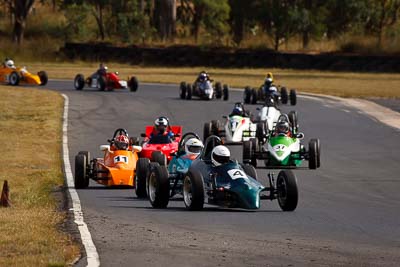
12	75
116	168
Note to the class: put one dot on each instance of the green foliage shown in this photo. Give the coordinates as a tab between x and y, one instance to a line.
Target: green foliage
77	22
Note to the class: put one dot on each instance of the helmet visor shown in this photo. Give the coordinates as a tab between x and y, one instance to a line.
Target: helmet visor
194	149
221	159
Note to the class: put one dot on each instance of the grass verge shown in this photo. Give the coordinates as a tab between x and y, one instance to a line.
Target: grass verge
344	84
30	134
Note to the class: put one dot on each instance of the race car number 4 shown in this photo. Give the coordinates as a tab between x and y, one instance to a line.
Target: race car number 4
118	159
236	173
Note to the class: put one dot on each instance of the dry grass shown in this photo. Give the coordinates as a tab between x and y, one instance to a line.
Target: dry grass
30	134
345	84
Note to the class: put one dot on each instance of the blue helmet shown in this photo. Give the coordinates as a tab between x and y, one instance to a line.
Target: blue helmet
237	110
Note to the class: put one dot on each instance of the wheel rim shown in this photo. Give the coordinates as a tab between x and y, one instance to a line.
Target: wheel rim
187	191
77	83
152	187
13	79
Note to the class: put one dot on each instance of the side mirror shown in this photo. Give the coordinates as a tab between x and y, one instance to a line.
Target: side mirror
143	135
105	148
300	135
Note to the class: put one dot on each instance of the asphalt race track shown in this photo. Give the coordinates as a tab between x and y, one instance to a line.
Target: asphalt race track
348	211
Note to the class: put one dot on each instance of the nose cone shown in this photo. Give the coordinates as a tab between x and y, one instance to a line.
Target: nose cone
248	194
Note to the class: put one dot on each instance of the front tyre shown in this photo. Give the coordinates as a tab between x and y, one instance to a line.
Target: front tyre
14	78
80	179
158	186
250	170
193	191
293	97
133	84
287	193
313	154
142	167
43	78
284	95
207	130
79	82
159	157
182	90
225	92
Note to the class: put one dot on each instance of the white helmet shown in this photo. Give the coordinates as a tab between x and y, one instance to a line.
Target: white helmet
193	146
220	155
161	121
9	63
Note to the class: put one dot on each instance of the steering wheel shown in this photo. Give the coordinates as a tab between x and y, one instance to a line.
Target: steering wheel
119	131
183	141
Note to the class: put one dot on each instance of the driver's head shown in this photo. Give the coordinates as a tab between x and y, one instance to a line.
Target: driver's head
220	155
282	127
193	146
203	76
161	124
9	63
268	81
121	142
237	110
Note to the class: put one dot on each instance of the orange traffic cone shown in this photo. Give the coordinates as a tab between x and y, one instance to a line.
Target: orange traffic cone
5	198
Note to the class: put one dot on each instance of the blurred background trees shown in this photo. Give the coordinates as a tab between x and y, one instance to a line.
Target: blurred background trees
276	24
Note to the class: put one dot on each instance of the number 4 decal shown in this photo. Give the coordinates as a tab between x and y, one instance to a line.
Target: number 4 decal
236	173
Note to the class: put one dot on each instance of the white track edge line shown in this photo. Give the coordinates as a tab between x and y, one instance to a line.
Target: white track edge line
91	252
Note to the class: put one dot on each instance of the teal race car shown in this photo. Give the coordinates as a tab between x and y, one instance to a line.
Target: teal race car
282	148
230	185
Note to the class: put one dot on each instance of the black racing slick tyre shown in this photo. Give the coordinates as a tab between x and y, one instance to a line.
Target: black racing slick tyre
182	90
254	96
250	170
293	120
247	153
159	157
80	179
207	130
142	168
133	84
14	78
247	95
284	95
287	192
225	92
43	78
101	83
215	127
193	191
158	186
293	97
313	154
79	82
218	90
87	155
189	92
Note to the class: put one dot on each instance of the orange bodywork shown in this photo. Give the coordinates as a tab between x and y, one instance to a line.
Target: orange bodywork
117	168
25	76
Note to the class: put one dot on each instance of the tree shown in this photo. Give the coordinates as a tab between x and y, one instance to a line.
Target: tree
20	9
241	13
382	14
165	18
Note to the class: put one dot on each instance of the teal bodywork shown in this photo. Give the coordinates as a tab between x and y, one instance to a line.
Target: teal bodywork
179	164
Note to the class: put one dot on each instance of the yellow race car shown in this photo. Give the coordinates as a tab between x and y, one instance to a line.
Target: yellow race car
15	76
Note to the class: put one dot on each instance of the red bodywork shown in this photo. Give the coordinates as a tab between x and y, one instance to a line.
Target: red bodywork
165	148
113	81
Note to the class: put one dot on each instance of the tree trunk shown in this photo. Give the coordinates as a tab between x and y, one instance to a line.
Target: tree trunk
99	19
198	15
21	10
306	39
165	18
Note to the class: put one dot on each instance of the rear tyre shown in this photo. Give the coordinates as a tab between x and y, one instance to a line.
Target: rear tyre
189	92
159	157
193	191
288	195
158	186
247	152
293	97
250	170
133	84
313	154
215	127
218	90
79	82
43	78
319	153
284	95
142	167
261	131
14	78
247	95
254	96
225	92
293	120
207	130
80	179
182	90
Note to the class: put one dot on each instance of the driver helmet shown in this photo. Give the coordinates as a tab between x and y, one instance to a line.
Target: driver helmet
203	76
193	146
161	124
220	155
268	81
237	111
282	127
9	63
121	142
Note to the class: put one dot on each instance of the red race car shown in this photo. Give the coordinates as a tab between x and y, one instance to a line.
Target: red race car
103	80
159	147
